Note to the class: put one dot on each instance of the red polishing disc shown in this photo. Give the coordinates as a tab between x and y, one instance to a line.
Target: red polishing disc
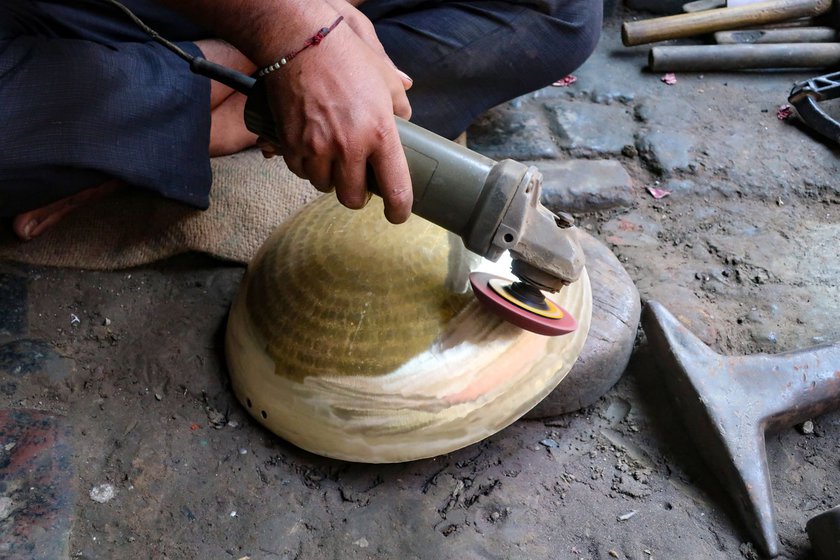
554	322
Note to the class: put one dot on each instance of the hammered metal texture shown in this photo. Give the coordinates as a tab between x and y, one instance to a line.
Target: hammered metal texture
304	296
345	340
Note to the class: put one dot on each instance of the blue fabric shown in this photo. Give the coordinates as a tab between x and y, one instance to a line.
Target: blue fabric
78	110
86	96
468	56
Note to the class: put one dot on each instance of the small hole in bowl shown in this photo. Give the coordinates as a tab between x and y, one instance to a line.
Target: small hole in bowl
248	402
264	414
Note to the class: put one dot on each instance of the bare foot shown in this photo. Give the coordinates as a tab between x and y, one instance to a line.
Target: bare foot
35	222
220	52
228	133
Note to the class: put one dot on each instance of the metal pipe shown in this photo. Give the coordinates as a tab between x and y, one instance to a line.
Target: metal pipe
721	19
700	58
786	35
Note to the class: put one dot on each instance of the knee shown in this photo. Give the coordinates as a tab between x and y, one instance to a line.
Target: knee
590	28
575	28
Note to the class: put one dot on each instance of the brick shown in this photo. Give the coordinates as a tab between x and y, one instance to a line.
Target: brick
581	185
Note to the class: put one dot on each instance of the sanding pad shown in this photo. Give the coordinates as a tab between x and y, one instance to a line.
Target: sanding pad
553	321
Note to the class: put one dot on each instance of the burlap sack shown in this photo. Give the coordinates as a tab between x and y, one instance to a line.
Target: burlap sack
250	197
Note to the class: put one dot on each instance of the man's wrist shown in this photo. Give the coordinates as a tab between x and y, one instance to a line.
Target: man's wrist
276	37
313	41
262	30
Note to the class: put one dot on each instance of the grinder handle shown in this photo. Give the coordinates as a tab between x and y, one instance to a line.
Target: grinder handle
447	178
492	206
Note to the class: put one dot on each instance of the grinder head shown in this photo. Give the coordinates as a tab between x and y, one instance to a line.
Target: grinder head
522	304
546	254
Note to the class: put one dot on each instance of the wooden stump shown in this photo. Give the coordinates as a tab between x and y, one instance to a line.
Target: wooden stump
615	320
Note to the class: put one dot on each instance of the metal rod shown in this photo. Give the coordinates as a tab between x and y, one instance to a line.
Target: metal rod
787	35
703	5
699	58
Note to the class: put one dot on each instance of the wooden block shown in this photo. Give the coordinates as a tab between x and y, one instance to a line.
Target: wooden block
615	321
720	19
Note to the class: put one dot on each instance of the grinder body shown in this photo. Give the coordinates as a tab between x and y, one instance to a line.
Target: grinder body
493	206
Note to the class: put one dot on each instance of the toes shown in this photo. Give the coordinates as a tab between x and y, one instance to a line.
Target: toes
30	225
23	225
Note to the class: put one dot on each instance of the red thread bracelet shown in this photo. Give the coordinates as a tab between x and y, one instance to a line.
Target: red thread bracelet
313	41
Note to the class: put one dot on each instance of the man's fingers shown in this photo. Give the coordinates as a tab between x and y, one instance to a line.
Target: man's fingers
319	173
406	79
353	193
295	165
268	149
351	183
402	108
338	110
392	176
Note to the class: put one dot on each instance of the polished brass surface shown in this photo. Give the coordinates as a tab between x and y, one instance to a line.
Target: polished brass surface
348	339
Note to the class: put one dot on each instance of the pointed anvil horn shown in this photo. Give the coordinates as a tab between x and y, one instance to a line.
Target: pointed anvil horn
727	403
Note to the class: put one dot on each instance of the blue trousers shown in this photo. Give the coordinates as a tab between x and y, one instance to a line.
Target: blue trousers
86	97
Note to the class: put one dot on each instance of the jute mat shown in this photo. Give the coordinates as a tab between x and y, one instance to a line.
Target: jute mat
249	198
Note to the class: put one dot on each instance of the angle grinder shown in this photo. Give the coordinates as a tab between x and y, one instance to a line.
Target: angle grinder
492	206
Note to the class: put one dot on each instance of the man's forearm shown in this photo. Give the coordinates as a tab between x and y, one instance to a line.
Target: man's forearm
262	29
335	106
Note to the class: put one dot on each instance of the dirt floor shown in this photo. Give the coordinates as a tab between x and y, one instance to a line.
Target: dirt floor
745	249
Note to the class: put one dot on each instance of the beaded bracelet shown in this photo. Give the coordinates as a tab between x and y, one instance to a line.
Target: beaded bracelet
311	42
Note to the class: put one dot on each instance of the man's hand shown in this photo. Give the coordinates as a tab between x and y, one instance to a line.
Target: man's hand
365	30
335	106
334	103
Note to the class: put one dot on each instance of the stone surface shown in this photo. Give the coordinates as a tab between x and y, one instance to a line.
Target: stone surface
26	356
615	320
595	129
12	304
516	133
31	361
681	187
581	185
36	486
610	93
666	151
631	231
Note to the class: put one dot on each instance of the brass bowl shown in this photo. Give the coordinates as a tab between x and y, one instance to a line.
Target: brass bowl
359	340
